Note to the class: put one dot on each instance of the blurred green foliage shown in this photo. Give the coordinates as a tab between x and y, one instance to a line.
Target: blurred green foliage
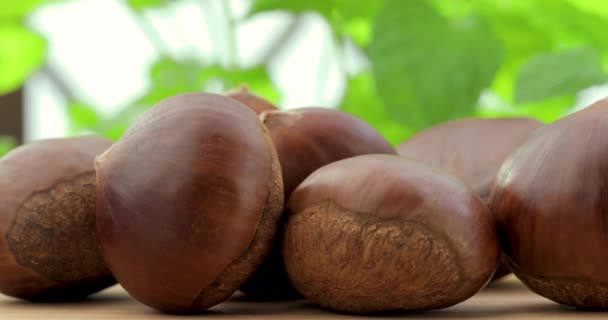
429	68
430	60
21	50
145	4
348	18
6	144
556	74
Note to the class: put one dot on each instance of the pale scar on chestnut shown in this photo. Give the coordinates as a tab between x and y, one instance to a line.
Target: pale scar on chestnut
396	253
57	225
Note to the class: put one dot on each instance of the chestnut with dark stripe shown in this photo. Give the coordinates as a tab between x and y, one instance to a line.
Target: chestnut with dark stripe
188	202
49	251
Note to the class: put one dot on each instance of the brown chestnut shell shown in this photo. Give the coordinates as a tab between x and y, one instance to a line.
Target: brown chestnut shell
378	233
551	203
472	149
307	139
48	248
188	202
250	99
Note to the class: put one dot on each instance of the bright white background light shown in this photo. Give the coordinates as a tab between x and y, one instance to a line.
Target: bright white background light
102	55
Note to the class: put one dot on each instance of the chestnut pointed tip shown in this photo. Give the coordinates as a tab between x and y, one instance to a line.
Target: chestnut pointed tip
241	89
285	118
255	102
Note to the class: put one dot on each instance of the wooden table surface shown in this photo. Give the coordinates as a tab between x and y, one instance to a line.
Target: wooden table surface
507	299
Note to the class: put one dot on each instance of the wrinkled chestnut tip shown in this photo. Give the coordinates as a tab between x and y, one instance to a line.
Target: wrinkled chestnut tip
183	233
379	233
255	102
276	118
47	207
243	88
550	203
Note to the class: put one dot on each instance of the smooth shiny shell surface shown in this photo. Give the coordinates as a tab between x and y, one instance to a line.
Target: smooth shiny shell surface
551	203
307	139
48	247
188	202
380	233
472	150
250	99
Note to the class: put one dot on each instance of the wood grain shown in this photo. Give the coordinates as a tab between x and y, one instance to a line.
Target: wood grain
505	299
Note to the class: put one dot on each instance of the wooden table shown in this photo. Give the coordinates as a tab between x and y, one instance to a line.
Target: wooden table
507	299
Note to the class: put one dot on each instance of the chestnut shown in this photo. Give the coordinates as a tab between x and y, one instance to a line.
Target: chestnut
48	247
188	202
551	203
471	149
380	233
253	101
307	139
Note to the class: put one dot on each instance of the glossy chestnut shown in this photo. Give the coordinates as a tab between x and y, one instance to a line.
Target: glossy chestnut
307	139
188	202
379	233
48	247
551	204
471	149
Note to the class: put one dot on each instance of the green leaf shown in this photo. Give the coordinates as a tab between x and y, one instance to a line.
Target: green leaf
346	17
83	116
429	69
21	53
547	111
563	25
354	19
145	4
6	144
348	9
558	74
18	9
170	77
598	7
323	7
572	26
113	127
256	78
359	30
115	131
362	101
